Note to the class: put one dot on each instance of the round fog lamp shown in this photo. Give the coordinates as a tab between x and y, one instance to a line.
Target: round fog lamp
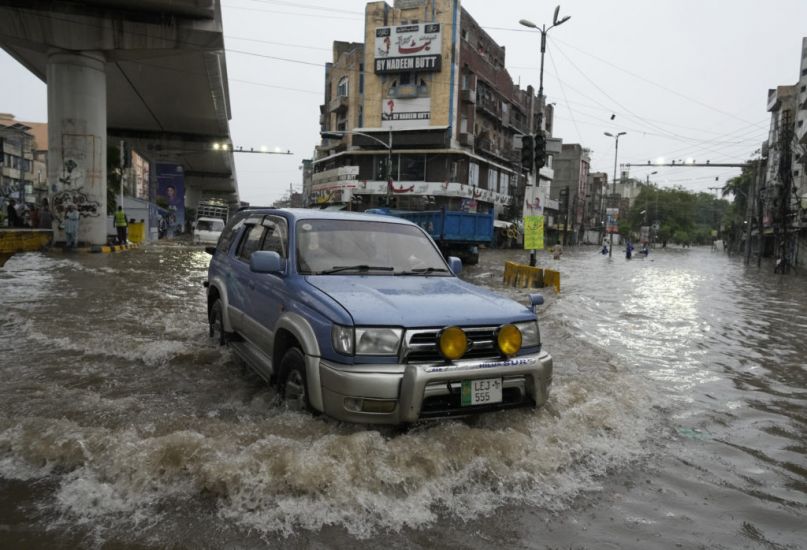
452	343
509	339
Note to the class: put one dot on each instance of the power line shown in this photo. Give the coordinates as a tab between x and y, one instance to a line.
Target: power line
231	7
563	91
229	37
306	6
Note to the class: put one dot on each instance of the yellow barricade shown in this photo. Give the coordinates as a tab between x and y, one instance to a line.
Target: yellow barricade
525	276
552	278
137	232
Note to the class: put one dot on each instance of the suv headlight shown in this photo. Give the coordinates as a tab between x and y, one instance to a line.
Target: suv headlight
530	335
377	341
366	340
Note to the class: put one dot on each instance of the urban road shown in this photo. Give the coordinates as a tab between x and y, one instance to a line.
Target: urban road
677	419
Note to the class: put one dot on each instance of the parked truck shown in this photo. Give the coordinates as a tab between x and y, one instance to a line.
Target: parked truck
213	208
456	233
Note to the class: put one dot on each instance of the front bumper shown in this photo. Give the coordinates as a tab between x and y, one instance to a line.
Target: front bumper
420	391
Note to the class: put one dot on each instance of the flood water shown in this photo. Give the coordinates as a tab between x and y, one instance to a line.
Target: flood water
677	419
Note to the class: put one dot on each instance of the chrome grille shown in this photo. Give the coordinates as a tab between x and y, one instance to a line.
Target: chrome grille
420	346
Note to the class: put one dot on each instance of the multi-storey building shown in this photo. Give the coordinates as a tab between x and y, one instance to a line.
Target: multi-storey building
22	159
570	187
423	115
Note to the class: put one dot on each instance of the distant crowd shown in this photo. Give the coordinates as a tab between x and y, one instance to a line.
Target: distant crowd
28	215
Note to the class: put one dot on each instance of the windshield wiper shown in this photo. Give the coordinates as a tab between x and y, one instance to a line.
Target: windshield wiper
363	268
422	271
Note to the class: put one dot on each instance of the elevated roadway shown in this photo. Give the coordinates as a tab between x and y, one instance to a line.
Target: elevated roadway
152	72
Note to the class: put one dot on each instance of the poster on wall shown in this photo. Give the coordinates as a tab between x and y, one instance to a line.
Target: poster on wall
406	113
408	48
171	196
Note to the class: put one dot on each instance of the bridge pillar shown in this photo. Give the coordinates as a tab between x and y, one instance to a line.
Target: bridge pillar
77	136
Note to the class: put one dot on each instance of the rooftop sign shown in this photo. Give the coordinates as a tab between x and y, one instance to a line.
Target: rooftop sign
408	48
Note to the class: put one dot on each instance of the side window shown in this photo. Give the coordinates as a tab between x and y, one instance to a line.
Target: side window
229	233
250	242
276	239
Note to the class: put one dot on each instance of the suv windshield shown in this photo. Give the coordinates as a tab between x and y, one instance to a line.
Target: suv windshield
352	247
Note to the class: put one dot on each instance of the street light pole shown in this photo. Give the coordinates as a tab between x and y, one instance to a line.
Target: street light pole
543	30
646	205
616	154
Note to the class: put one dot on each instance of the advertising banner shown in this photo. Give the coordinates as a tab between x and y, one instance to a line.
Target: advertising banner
533	232
535	198
408	48
406	113
171	196
612	220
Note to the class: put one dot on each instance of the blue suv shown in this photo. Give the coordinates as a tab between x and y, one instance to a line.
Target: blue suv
361	318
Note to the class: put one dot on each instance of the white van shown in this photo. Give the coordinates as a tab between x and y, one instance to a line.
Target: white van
208	230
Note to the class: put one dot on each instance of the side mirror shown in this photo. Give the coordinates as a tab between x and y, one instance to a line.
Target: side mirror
265	261
455	265
210	250
536	300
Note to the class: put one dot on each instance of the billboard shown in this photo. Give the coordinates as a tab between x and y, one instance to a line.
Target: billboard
171	196
408	48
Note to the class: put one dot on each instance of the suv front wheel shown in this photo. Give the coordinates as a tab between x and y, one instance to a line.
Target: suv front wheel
294	384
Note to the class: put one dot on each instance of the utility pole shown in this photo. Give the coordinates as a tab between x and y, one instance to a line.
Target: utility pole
786	177
543	30
616	154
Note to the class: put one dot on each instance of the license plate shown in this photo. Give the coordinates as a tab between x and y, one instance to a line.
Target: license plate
481	392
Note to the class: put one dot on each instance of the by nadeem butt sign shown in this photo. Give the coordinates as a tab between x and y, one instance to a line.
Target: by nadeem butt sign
408	48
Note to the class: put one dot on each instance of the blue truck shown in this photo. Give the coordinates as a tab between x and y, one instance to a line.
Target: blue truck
457	233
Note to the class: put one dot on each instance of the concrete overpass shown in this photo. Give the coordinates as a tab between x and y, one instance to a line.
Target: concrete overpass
152	72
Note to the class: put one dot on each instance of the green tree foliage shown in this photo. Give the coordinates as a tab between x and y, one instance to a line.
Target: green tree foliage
683	216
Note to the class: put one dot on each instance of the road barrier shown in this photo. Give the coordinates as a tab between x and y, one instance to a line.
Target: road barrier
526	276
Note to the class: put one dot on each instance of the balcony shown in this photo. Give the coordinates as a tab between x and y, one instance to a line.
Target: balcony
468	96
338	104
467	139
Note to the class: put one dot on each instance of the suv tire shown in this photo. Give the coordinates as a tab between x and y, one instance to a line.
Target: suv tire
293	381
216	320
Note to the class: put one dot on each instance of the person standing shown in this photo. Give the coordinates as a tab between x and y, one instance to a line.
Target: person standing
46	220
11	214
121	225
71	227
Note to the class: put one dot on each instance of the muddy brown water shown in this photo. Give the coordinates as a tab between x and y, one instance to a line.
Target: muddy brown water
677	419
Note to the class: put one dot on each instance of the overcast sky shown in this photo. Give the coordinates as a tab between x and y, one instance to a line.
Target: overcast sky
684	78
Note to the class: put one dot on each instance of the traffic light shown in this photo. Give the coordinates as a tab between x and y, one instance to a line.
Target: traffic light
527	152
540	150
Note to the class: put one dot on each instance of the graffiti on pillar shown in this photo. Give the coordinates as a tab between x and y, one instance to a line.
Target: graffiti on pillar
79	181
72	192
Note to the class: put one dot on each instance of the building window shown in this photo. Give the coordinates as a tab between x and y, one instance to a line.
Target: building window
473	174
493	179
361	116
342	88
465	35
464	124
413	168
361	78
